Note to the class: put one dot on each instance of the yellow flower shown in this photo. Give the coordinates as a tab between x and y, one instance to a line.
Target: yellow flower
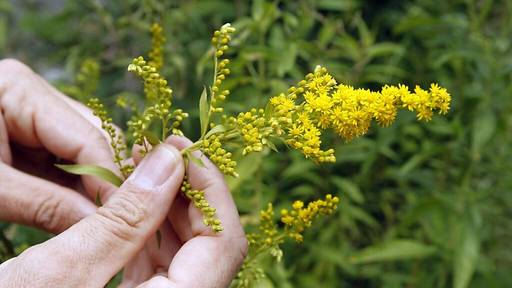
300	218
156	58
212	147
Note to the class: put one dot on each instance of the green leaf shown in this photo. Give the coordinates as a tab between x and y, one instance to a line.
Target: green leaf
271	145
204	112
392	251
336	5
269	110
195	160
350	188
247	167
466	257
151	138
92	170
3	32
484	126
215	130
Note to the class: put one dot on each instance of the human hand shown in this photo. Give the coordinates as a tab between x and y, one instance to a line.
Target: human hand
191	254
37	124
56	207
91	252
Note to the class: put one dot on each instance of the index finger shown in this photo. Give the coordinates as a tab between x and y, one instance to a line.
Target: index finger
209	259
35	116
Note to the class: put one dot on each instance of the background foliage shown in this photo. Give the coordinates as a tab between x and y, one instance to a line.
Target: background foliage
422	205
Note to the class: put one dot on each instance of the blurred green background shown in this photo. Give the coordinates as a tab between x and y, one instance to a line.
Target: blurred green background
423	205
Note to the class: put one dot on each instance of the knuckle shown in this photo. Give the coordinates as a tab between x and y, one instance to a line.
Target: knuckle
124	214
239	247
13	66
243	246
46	214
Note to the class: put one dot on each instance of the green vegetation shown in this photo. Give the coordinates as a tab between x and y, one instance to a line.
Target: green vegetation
420	205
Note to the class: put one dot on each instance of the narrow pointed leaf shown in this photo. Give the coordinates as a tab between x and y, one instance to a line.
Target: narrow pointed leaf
215	130
400	249
151	138
204	111
92	170
195	160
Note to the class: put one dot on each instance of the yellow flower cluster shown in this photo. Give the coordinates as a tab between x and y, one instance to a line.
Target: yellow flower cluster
300	218
156	54
265	240
212	147
249	274
197	197
304	135
268	237
253	129
116	139
157	88
345	109
267	229
157	91
220	42
177	117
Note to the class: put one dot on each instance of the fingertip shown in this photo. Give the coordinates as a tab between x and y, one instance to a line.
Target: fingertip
163	162
157	282
180	142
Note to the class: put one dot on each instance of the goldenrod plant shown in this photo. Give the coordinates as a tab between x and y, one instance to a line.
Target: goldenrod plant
86	81
268	237
297	118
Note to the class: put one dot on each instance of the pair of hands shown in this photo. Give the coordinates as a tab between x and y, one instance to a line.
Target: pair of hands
37	124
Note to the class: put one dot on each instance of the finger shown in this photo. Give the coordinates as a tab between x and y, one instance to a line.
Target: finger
84	111
209	259
179	212
210	180
155	259
29	200
162	251
35	116
180	219
101	244
5	150
138	270
137	153
159	282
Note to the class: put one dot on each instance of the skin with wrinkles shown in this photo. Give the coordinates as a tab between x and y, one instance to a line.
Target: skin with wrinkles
39	125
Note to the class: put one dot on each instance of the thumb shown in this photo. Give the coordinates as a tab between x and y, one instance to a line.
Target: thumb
97	247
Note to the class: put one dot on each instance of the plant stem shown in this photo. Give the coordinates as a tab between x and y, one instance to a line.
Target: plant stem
230	134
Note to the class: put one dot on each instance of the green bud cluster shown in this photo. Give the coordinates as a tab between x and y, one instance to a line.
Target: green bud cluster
220	42
177	117
199	201
253	129
212	147
268	237
156	55
116	140
159	94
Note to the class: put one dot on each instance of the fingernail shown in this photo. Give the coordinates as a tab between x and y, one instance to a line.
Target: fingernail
156	167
